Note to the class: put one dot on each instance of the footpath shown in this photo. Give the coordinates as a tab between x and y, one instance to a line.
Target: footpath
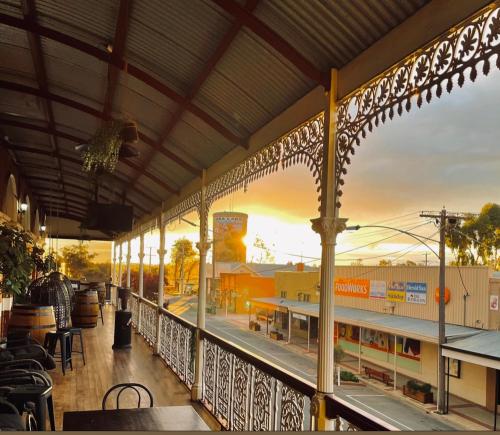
462	415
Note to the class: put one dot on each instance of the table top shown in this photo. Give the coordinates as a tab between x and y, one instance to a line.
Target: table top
176	418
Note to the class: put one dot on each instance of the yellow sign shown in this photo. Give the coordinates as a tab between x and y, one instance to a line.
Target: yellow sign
357	288
396	291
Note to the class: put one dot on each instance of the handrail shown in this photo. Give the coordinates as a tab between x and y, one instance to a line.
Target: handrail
282	375
183	322
146	301
335	406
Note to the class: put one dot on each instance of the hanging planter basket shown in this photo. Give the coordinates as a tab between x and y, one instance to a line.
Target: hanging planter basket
112	141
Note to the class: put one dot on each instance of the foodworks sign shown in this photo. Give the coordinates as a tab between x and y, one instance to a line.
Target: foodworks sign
358	288
416	292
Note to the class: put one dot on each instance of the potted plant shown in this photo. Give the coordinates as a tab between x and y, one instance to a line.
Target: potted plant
276	335
418	391
16	260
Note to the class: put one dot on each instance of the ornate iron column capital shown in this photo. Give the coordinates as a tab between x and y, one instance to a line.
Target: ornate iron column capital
142	255
203	247
328	228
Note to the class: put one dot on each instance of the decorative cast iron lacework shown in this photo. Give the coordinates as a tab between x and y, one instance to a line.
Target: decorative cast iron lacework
175	348
301	145
418	77
134	309
148	322
243	397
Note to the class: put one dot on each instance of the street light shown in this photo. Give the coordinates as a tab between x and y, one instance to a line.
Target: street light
441	320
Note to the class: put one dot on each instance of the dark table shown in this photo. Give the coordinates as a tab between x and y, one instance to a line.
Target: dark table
175	418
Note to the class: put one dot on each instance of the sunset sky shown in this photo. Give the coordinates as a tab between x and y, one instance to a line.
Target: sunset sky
446	153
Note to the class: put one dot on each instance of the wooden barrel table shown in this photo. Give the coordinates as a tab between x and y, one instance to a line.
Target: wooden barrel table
86	309
36	319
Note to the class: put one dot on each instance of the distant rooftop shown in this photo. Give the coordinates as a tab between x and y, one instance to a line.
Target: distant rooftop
259	269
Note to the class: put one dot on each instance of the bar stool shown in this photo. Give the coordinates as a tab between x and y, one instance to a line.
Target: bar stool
64	338
76	331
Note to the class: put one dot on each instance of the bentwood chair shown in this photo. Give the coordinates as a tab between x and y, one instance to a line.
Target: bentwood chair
122	388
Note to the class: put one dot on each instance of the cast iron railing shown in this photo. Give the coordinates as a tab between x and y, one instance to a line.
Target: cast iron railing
246	393
241	390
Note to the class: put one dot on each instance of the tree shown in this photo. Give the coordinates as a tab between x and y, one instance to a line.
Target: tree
385	263
408	263
477	240
183	256
265	255
358	262
78	260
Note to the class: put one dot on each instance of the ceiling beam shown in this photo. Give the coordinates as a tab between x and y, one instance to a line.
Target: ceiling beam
35	43
197	84
55	181
78	175
121	64
268	35
117	53
52	131
17	87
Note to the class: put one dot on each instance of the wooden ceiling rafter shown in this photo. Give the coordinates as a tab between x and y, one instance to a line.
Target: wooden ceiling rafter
121	64
53	131
196	86
79	176
18	87
264	32
35	44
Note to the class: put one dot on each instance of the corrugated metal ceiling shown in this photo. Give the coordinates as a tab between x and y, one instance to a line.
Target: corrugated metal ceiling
172	41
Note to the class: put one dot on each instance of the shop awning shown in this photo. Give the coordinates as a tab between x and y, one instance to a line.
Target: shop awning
419	329
482	349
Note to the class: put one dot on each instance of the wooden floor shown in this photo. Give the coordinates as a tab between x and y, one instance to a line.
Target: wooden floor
84	387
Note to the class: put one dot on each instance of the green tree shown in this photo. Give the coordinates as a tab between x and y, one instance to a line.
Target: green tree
78	260
385	263
265	255
477	240
182	258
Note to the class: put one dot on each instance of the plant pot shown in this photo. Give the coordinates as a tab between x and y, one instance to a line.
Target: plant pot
418	395
6	307
129	132
275	335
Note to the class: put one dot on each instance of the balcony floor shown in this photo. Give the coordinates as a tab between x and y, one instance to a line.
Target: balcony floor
83	388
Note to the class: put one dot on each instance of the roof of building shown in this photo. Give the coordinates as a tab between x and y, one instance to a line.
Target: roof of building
259	269
485	344
420	329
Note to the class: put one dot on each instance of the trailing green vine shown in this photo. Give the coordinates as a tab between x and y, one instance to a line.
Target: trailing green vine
103	149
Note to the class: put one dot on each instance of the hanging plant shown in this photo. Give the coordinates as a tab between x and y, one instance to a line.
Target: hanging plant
103	150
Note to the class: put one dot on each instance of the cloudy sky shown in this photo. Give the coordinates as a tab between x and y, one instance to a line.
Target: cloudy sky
445	154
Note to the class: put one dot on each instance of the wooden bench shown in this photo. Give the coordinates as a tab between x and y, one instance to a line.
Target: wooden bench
377	374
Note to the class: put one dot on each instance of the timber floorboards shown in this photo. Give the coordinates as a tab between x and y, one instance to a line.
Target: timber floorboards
83	388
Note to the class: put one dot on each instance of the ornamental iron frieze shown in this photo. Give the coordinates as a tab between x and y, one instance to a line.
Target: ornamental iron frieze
303	144
417	78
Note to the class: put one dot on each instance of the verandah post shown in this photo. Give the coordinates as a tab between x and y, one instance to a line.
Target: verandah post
328	225
203	246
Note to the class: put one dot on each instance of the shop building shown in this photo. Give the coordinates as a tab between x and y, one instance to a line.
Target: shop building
387	317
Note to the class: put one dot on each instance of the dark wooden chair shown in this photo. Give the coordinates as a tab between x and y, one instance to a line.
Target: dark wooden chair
123	387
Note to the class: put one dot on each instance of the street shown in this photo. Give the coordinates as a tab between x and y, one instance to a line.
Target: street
387	408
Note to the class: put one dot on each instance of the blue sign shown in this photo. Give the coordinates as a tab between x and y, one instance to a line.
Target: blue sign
416	292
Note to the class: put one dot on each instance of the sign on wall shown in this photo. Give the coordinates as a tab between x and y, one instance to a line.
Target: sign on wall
358	288
396	291
494	302
378	289
416	292
299	316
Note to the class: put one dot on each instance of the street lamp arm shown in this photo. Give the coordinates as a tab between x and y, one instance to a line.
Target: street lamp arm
415	236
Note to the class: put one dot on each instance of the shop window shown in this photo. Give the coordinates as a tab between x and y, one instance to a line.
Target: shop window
306	297
303	325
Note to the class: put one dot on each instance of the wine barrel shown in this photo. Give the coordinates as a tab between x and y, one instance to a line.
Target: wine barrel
36	319
100	287
86	309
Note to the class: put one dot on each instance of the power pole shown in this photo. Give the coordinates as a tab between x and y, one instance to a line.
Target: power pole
444	219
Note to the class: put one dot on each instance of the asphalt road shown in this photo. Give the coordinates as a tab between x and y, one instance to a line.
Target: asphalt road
387	408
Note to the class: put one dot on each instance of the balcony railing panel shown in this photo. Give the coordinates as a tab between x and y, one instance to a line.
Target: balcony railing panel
177	345
245	392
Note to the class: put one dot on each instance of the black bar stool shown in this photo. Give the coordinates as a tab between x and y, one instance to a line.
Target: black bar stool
76	331
64	338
